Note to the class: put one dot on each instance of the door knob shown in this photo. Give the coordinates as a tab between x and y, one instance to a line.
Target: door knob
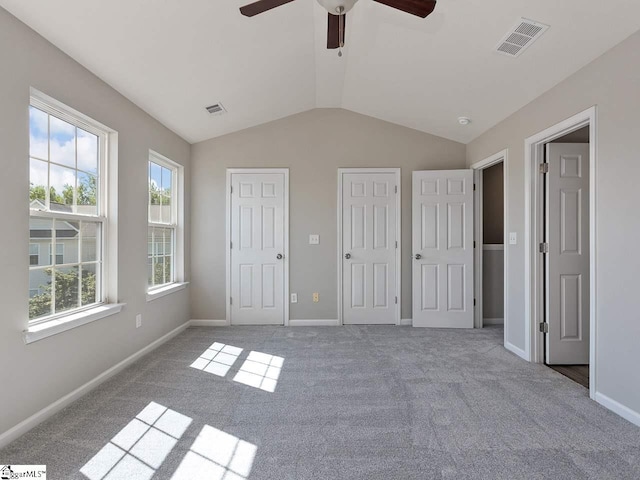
347	256
418	256
279	256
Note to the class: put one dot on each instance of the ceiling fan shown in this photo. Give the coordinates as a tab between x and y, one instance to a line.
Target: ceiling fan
338	13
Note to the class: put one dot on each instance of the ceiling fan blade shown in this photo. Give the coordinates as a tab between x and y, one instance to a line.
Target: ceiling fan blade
261	6
420	8
333	31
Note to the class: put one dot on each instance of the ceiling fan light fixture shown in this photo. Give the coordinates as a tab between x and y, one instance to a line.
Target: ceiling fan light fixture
333	6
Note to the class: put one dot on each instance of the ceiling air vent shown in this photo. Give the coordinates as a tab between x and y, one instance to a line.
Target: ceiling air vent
520	37
216	109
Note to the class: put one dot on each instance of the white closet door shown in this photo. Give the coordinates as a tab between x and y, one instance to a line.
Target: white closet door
369	203
568	258
257	249
442	224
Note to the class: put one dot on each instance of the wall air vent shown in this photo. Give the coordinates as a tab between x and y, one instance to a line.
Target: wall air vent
520	37
216	109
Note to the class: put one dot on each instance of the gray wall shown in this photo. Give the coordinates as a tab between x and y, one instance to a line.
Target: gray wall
313	145
612	82
45	371
493	284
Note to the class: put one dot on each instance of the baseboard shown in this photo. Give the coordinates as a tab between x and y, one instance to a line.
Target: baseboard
617	407
315	322
39	417
406	321
208	323
493	321
518	351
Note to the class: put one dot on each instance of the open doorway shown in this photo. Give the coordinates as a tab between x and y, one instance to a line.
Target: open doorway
565	207
560	243
490	233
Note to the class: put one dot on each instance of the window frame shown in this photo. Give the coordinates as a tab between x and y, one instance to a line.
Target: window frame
176	224
56	109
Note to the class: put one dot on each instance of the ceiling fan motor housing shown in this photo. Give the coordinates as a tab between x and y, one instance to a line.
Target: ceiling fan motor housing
333	6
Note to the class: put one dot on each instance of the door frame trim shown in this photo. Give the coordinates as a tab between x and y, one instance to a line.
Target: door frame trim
500	157
398	175
534	154
230	172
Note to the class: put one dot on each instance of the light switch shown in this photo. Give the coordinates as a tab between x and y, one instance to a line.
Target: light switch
294	298
513	238
314	239
316	297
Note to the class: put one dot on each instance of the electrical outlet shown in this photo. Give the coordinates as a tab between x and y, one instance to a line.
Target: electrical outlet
513	238
316	297
314	239
138	320
294	298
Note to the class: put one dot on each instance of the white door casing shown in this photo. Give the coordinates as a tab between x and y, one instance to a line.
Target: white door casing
369	212
567	217
442	240
257	249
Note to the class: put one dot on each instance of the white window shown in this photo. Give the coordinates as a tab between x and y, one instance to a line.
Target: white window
59	260
163	252
34	254
68	212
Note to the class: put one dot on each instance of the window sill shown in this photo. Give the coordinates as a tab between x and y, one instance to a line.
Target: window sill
169	289
59	325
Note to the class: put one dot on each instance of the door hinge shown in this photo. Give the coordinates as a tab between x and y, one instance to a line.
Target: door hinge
474	187
474	302
396	244
230	301
544	327
474	244
396	188
396	300
544	168
544	247
231	190
231	245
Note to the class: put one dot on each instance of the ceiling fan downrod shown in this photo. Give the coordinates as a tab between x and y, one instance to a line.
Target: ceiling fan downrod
341	30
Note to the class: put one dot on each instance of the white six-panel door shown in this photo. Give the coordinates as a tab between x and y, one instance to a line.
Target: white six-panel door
257	263
568	257
442	240
369	247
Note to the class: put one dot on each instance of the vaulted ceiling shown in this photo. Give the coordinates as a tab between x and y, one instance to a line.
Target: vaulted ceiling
173	58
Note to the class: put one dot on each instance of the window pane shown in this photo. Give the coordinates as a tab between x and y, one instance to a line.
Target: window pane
155	185
167	269
158	270
66	289
38	133
67	241
167	177
39	293
87	152
165	215
89	284
38	173
62	185
89	231
62	142
87	194
40	230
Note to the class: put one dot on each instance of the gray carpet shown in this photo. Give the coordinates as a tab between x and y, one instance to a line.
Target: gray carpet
349	403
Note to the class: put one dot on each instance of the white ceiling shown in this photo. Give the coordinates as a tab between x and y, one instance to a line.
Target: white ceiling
173	58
